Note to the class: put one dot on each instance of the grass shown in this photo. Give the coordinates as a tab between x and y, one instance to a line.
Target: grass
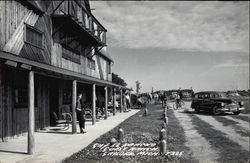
233	124
139	129
229	151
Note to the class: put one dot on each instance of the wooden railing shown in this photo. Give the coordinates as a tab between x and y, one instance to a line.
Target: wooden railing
85	19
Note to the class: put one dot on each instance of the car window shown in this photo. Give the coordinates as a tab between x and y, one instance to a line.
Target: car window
186	94
222	95
200	96
206	96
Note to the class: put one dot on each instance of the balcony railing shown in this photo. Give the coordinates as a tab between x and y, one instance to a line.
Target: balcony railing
84	18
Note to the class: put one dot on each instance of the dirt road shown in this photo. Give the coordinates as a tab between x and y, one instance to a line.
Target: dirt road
214	138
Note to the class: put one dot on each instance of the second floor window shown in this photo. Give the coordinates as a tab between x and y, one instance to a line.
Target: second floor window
109	67
33	36
91	63
70	54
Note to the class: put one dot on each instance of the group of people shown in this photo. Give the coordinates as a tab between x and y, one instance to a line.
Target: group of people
163	97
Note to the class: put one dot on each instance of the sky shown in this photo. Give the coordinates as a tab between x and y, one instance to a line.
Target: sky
170	45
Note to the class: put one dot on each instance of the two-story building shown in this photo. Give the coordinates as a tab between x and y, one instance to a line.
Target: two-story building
49	52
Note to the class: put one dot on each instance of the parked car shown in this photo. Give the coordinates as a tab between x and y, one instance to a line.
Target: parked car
187	94
216	103
233	94
171	94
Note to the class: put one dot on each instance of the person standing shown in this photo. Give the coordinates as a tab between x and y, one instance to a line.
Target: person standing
80	111
128	100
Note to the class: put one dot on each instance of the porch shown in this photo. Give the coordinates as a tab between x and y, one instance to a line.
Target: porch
56	146
58	87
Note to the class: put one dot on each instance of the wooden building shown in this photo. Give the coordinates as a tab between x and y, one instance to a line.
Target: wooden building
49	52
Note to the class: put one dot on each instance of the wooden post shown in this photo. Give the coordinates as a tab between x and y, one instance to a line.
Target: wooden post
145	111
166	120
114	100
121	103
93	105
106	102
163	147
130	103
31	104
163	134
120	135
74	86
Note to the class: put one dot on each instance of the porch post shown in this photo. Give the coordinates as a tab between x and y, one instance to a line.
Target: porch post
121	101
114	100
74	85
31	127
130	100
106	102
93	105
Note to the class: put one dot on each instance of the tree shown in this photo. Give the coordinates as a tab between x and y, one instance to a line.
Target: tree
118	80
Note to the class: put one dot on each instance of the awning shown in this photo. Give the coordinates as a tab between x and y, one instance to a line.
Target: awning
64	72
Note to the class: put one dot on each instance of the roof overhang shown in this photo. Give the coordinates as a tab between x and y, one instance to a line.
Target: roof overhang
33	6
105	55
64	73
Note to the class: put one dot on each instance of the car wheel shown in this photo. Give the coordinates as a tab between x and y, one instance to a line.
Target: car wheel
216	110
236	113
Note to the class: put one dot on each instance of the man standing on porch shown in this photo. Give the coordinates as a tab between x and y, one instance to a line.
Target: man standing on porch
80	111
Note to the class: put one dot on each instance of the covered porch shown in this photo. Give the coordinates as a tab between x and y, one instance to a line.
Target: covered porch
61	89
54	147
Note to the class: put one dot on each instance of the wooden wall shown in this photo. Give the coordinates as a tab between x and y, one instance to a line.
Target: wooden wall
42	111
100	62
14	14
1	102
15	119
11	15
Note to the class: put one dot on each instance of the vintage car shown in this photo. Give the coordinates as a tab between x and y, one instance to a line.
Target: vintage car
216	103
171	94
187	94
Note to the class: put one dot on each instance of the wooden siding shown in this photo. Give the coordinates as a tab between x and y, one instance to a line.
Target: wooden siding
13	14
100	72
12	30
42	112
15	119
1	102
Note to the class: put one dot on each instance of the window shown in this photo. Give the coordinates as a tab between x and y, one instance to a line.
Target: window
70	54
67	97
33	36
21	97
109	67
206	96
91	63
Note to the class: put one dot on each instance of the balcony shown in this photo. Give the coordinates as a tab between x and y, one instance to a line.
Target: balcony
71	15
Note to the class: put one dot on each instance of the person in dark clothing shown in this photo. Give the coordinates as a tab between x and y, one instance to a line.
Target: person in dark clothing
80	111
180	94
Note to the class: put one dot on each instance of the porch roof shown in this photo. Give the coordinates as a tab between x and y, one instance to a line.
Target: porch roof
73	75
